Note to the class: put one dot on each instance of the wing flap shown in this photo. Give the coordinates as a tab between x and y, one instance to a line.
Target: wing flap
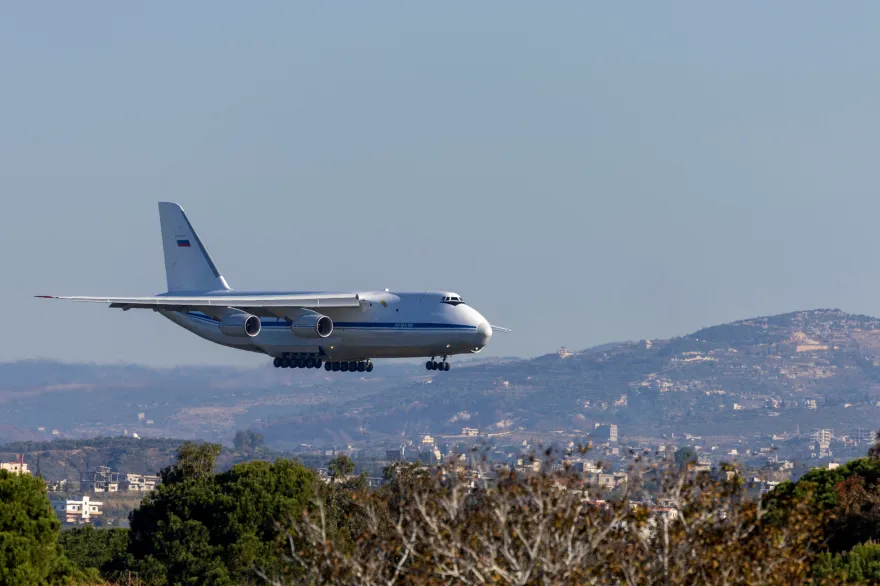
171	301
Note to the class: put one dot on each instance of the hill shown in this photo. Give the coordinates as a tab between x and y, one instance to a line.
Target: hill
818	368
752	376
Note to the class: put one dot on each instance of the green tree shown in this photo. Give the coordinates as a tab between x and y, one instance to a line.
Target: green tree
218	529
247	441
684	456
195	461
29	530
102	549
340	467
846	498
860	565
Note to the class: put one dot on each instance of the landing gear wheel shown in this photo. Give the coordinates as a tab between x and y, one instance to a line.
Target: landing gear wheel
310	363
327	366
362	366
369	367
285	363
352	366
445	366
429	365
318	363
276	363
343	367
334	367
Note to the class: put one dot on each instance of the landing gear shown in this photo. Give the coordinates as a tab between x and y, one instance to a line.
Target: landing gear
433	365
297	361
351	366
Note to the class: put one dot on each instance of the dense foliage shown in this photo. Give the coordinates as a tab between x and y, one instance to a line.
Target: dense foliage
28	530
202	528
29	550
277	523
448	526
847	499
104	550
860	565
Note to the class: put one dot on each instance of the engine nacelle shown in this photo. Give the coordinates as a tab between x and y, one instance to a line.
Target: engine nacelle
312	325
240	325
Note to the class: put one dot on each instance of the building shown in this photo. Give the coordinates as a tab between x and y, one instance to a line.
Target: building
823	437
470	431
140	482
78	512
18	467
605	433
863	436
56	485
101	480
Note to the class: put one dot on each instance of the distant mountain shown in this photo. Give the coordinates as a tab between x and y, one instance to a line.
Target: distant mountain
750	376
817	368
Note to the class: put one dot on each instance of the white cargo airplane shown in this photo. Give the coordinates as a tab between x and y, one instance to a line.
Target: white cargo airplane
341	331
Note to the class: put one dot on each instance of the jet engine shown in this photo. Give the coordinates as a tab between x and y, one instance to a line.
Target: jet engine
240	325
312	325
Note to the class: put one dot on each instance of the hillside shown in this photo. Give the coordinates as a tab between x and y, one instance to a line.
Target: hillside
817	368
754	375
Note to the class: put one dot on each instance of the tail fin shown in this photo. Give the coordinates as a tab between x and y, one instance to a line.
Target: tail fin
188	266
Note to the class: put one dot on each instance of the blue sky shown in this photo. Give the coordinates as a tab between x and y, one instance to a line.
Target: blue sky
581	173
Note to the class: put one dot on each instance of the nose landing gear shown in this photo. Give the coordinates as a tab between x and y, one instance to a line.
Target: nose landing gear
432	365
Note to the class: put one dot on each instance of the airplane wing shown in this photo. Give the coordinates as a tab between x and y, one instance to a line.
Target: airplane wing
244	302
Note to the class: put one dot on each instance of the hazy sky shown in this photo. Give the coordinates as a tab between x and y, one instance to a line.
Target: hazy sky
581	173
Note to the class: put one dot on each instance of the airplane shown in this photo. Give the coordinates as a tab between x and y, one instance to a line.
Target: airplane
343	331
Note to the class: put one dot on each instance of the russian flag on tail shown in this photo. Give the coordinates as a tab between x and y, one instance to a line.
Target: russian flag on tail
182	243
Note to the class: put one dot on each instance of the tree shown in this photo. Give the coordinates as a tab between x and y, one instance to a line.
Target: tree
247	441
29	529
102	549
545	528
340	467
845	499
684	456
195	461
860	565
217	529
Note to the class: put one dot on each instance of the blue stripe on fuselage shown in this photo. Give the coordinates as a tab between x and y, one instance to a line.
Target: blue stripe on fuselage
280	323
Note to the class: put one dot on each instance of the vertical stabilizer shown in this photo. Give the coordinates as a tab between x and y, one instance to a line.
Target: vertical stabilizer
188	266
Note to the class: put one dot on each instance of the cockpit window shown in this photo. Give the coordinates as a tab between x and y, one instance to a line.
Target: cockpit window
453	300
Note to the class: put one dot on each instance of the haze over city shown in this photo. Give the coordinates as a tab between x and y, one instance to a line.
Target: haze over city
581	175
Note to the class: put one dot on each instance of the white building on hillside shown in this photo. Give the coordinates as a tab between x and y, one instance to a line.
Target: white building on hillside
140	482
78	512
16	467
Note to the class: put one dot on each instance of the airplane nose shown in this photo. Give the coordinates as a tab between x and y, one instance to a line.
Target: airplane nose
484	333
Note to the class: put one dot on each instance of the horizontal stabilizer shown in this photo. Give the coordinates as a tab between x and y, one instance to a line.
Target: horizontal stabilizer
500	329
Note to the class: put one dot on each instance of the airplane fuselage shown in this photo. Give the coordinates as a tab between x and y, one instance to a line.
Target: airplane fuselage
386	325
